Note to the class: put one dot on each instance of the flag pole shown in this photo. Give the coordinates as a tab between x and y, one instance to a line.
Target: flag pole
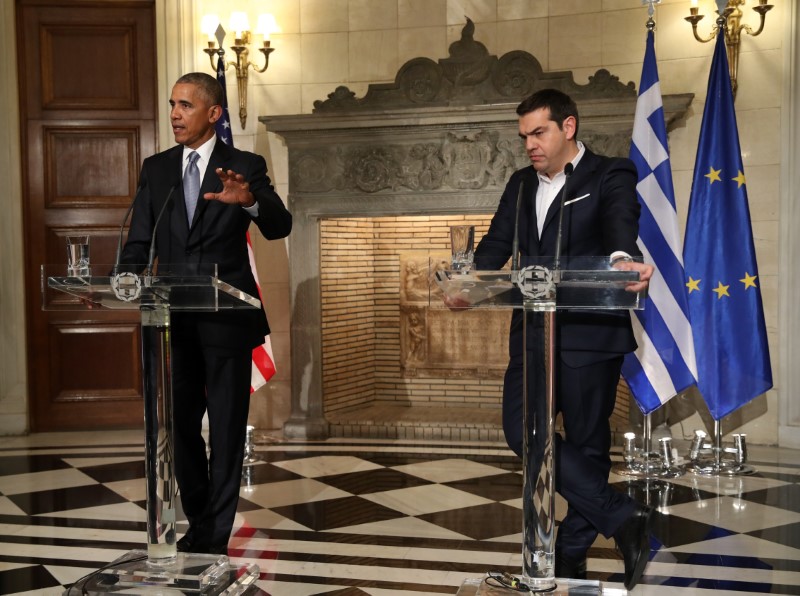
648	156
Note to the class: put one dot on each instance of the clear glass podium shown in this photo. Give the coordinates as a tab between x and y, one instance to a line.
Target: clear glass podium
538	288
156	295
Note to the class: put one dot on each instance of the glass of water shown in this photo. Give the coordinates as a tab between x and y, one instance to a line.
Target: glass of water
78	255
462	247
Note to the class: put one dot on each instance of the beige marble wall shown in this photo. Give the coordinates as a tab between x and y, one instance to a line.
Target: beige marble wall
13	382
325	43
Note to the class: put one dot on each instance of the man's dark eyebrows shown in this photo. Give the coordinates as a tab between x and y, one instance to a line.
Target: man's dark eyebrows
536	130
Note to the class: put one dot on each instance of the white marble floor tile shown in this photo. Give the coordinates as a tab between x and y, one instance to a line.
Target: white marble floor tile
734	514
740	545
16	484
326	465
419	500
403	527
728	486
292	492
88	462
265	519
118	511
449	470
133	490
7	507
276	588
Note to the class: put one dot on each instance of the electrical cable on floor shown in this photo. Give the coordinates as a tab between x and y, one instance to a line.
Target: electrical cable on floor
501	579
85	579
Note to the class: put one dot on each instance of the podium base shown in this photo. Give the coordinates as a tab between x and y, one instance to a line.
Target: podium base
580	587
190	573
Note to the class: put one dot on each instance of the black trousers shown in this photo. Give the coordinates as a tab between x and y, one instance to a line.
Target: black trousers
585	397
216	380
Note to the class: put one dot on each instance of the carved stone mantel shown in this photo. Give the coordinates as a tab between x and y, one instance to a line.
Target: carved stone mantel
442	139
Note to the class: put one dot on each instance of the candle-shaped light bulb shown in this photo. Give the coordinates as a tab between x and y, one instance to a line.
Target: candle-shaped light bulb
267	26
208	25
239	24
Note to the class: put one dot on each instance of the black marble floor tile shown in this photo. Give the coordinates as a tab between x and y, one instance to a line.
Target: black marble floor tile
25	579
502	487
64	499
264	473
11	465
479	522
337	513
788	535
114	472
371	481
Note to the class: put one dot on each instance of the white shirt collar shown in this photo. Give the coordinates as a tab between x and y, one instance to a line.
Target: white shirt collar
205	150
546	179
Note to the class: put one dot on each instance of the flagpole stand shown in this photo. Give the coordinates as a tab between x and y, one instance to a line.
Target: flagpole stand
707	459
250	455
646	463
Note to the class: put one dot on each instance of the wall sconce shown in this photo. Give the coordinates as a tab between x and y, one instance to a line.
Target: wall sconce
729	20
240	25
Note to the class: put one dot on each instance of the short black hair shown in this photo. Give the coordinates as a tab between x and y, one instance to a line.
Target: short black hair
208	84
561	106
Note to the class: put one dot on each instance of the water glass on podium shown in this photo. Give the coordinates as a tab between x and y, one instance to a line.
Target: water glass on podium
78	256
462	246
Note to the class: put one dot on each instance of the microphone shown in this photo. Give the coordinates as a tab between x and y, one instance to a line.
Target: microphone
515	243
557	259
115	270
151	257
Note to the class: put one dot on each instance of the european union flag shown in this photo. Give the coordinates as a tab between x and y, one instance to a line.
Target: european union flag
723	285
664	363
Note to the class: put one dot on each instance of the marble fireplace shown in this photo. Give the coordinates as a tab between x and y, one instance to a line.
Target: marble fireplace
374	183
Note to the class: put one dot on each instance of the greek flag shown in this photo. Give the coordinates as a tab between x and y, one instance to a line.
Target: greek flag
664	364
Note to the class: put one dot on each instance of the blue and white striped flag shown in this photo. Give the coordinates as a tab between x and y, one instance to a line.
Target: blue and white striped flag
664	364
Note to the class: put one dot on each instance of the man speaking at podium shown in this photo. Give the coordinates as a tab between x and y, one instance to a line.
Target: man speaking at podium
199	199
601	214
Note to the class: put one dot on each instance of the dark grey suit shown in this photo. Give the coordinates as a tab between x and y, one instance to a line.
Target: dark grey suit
211	351
600	216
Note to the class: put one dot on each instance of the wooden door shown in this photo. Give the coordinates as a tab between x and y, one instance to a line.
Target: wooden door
87	75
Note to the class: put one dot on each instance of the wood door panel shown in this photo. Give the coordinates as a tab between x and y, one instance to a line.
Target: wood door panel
99	84
91	362
90	166
87	105
87	57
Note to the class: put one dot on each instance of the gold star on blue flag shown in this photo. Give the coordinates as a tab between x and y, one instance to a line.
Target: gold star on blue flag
730	336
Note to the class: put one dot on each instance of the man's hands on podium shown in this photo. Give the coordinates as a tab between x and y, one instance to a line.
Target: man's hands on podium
645	273
455	303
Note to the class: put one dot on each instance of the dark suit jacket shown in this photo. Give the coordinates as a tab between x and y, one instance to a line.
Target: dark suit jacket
602	219
217	235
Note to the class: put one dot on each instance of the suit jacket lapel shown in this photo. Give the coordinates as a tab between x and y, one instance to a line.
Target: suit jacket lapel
580	176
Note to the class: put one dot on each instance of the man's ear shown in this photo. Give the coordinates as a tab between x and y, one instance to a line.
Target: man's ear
214	114
568	126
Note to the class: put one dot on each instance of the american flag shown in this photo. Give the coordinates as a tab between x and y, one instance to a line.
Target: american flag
263	360
664	364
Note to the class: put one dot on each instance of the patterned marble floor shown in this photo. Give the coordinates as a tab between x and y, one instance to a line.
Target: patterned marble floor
378	518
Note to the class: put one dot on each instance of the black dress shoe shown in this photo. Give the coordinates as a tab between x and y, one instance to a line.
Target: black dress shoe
185	544
633	541
570	568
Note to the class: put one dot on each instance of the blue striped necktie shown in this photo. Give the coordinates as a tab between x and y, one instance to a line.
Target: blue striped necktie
191	185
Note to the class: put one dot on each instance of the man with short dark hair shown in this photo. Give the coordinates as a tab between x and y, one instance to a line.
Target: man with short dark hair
217	192
601	214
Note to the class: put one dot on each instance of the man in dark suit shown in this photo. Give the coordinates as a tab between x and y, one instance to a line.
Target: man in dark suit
601	213
215	193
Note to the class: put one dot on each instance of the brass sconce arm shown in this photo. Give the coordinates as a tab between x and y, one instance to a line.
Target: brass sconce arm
729	21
